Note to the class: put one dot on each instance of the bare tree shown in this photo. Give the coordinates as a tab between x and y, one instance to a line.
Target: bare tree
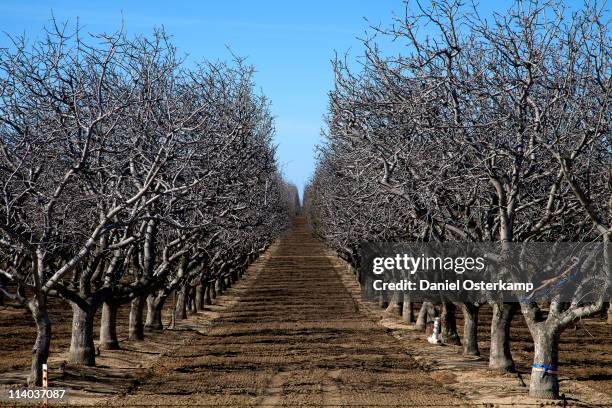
125	174
484	130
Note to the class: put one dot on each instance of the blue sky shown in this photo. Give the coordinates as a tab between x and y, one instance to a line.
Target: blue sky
290	44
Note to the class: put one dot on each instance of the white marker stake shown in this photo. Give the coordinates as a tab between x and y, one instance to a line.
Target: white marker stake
435	336
45	383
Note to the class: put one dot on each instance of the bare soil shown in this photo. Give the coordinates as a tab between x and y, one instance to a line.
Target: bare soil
585	358
295	338
294	332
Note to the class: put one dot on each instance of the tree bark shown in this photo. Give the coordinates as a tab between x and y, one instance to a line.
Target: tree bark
108	327
40	351
136	327
425	313
470	329
181	303
155	305
407	312
82	348
545	356
448	321
220	285
394	307
610	313
213	290
199	297
500	357
383	303
190	297
207	294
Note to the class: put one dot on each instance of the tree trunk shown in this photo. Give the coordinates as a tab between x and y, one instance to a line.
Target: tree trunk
108	327
21	291
394	307
449	324
40	351
220	285
82	348
213	289
407	313
199	297
136	327
207	296
544	382
610	313
181	304
190	296
500	357
470	329
424	316
155	305
383	303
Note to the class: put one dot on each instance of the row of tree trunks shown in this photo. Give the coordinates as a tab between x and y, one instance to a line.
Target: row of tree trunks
82	348
543	381
399	305
500	356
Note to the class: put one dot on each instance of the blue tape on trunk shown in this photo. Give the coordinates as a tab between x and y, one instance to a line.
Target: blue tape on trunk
546	369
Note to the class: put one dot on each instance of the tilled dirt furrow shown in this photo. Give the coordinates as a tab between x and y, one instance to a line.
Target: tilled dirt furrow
294	338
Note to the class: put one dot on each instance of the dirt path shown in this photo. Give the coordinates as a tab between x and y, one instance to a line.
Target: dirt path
295	337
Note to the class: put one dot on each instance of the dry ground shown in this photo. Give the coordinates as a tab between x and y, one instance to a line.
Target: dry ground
585	357
294	332
296	338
